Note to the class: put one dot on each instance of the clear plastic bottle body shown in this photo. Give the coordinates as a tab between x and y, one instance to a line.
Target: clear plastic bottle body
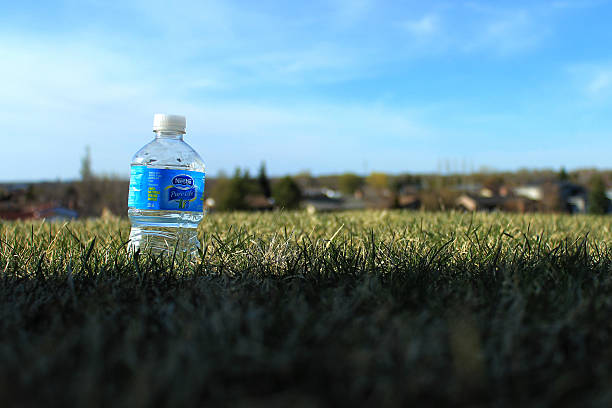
166	231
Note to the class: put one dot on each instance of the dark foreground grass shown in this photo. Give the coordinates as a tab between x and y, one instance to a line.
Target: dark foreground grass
357	309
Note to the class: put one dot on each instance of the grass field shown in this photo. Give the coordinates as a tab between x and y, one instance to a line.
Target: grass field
290	309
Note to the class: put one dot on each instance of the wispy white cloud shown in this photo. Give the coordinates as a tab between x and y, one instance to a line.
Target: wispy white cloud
281	84
424	26
88	96
577	4
318	63
601	82
299	135
477	28
512	32
349	12
593	80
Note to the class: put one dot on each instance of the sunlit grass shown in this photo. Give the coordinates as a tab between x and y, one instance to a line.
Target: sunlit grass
374	308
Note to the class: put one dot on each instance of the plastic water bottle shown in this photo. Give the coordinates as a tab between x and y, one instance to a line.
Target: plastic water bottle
166	198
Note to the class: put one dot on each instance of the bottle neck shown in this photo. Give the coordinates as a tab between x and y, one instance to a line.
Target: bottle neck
168	134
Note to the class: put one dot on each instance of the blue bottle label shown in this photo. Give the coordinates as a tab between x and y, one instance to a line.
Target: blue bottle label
166	189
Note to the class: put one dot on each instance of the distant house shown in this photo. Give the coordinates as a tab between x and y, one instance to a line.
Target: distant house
473	202
519	204
56	214
16	214
472	188
376	198
321	192
556	196
577	204
15	187
50	212
259	202
409	201
323	203
531	191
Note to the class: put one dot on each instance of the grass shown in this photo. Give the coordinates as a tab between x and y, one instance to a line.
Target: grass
290	309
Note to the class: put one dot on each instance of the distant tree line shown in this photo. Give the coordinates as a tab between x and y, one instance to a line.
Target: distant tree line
234	193
94	194
598	201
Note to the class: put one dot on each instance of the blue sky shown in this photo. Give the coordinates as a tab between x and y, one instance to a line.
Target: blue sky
327	87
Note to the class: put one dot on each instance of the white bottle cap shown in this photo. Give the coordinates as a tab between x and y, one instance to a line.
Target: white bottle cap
169	123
